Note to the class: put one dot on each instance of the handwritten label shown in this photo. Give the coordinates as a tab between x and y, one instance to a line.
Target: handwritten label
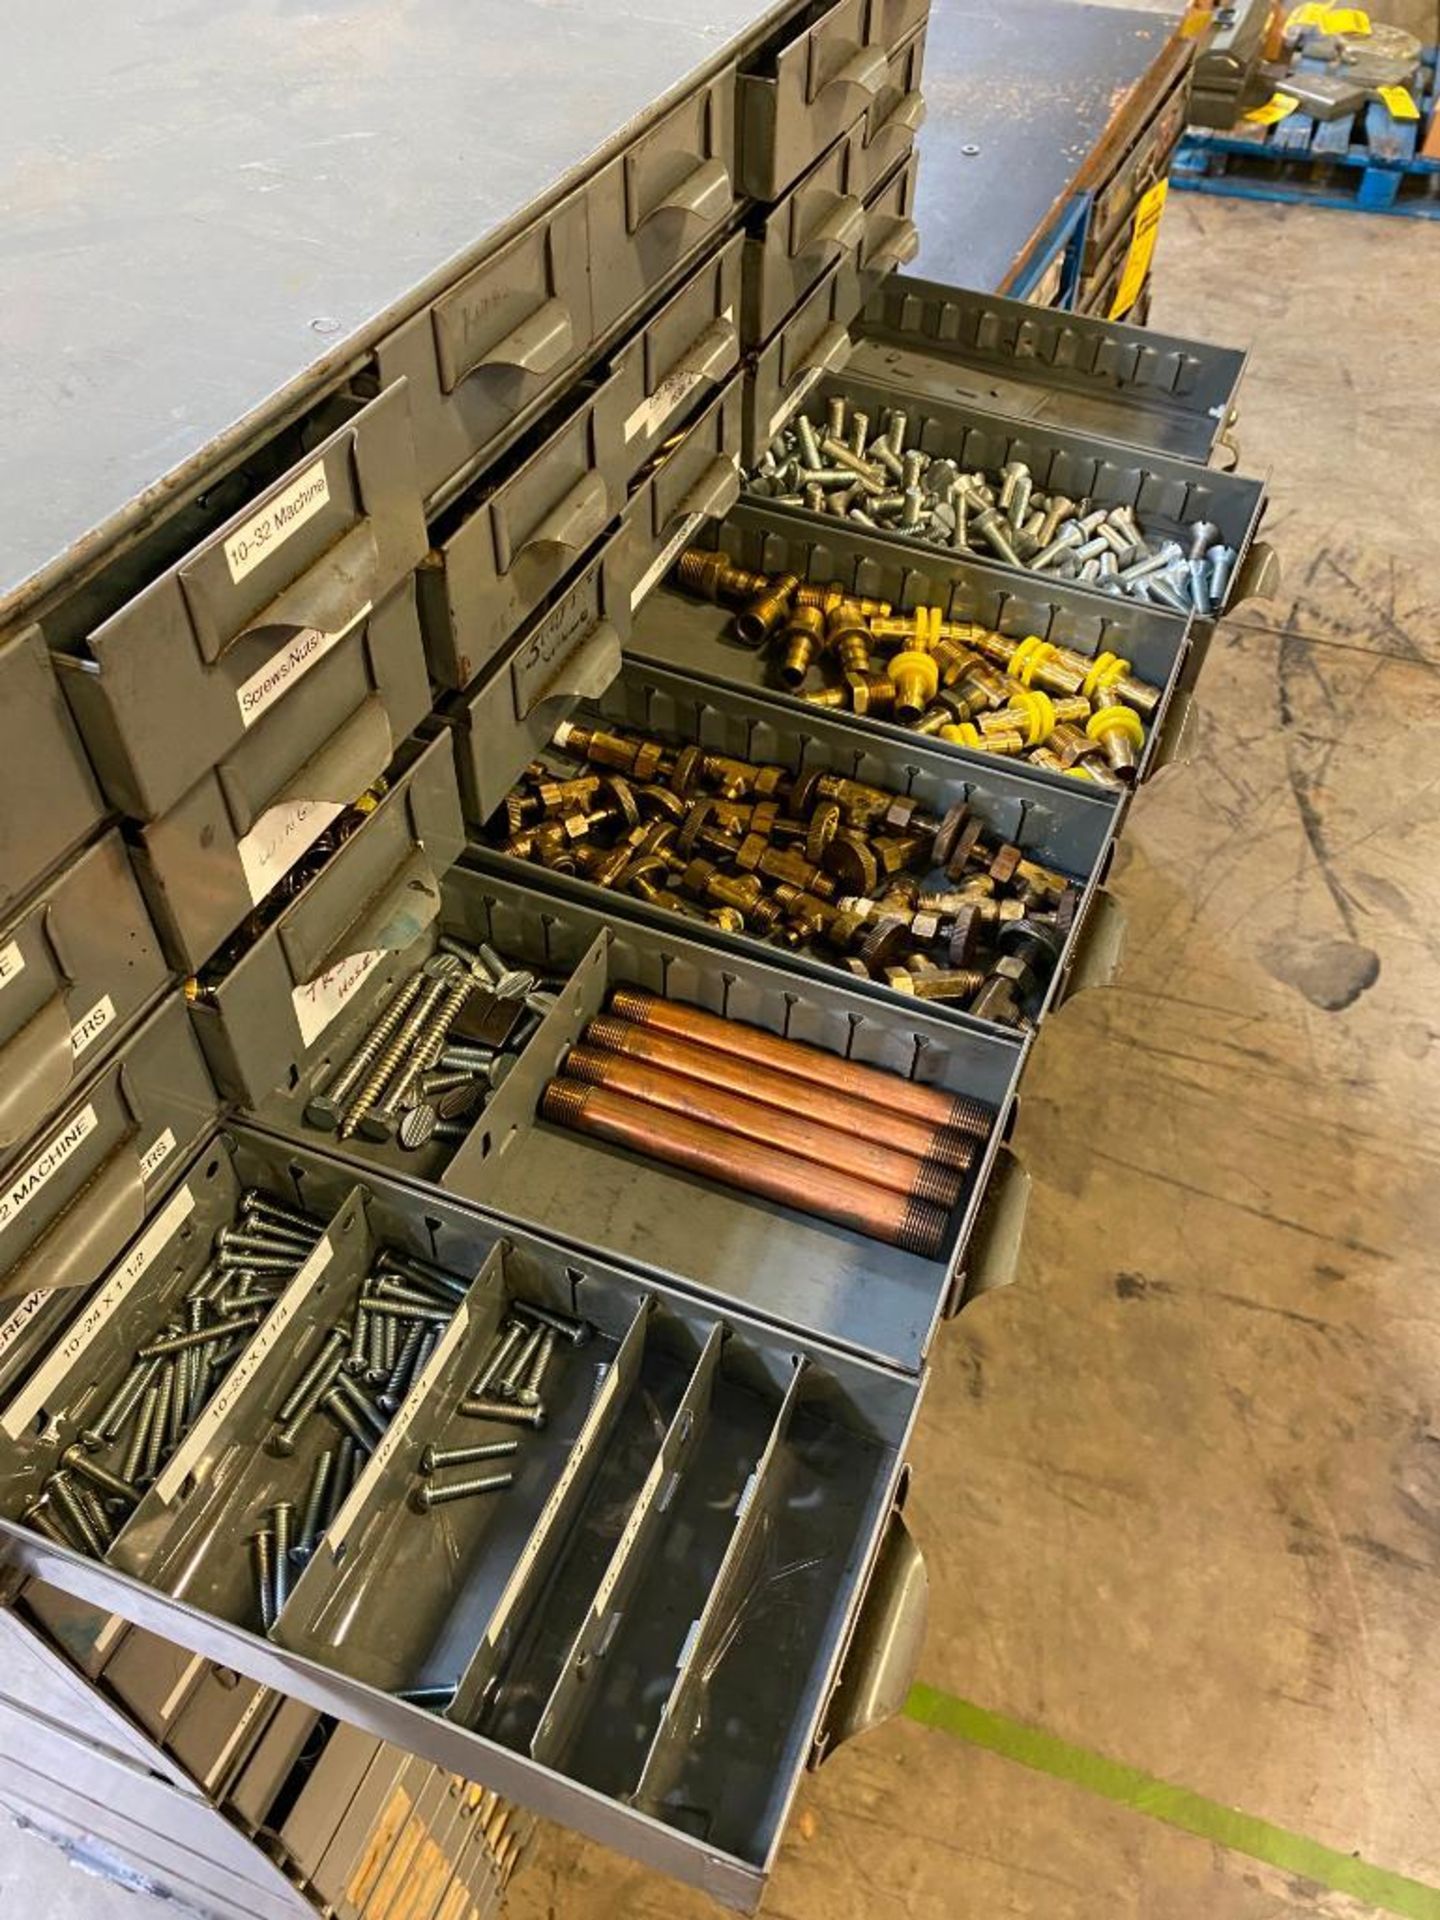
320	1000
21	1188
536	665
662	561
90	1026
155	1154
186	1458
358	1497
20	1316
550	1512
281	671
284	513
12	963
673	390
279	837
122	1282
792	400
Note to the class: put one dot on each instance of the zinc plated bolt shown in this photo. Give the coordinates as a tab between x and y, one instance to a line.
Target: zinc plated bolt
119	1407
79	1461
282	1519
432	1494
392	1053
262	1567
62	1492
326	1105
159	1424
534	1388
508	1340
994	530
312	1517
577	1332
511	1383
255	1205
286	1432
318	1370
363	1407
345	1417
508	1412
139	1444
1068	537
436	1459
1221	563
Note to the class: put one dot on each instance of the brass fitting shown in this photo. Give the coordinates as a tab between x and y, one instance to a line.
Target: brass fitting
966	734
1118	731
711	576
558	796
871	693
760	617
848	640
801	639
980	687
833	600
941	983
641	759
1034	662
705	881
917	679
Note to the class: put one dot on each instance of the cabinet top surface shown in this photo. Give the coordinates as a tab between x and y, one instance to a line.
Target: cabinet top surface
211	207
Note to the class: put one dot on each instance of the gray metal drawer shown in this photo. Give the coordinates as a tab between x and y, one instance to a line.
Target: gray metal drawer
228	637
694	636
701	1237
247	823
1056	823
662	199
890	236
1146	162
49	800
75	969
654	1502
694	479
820	221
945	344
73	1194
487	352
895	115
259	1012
813	81
813	341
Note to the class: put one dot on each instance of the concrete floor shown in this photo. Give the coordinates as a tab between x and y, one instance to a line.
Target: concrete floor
1179	1488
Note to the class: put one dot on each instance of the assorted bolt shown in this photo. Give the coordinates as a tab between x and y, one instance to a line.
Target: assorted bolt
961	682
881	482
409	1074
174	1374
826	863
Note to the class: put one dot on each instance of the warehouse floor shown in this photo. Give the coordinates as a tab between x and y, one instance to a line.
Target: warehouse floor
1179	1487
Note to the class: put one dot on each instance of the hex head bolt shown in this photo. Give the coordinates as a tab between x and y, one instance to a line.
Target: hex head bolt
430	1494
312	1514
326	1105
391	1053
508	1412
262	1570
282	1519
436	1459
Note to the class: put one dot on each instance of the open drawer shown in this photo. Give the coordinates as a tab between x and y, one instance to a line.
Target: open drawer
229	635
48	797
260	1007
760	1256
1058	825
76	969
705	1492
686	634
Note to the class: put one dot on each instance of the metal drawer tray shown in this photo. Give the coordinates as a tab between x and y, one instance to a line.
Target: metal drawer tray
692	636
1055	822
258	1013
76	969
1168	495
241	830
629	1567
49	800
946	344
172	682
761	1259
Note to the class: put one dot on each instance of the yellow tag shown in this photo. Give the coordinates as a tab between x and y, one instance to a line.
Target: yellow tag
1401	102
1278	107
1310	15
1344	20
1143	235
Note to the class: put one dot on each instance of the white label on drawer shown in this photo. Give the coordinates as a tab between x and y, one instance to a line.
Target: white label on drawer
792	399
153	1155
12	963
339	1530
138	1262
20	1316
185	1459
91	1026
21	1188
319	1001
658	567
295	659
283	513
505	1606
675	388
279	837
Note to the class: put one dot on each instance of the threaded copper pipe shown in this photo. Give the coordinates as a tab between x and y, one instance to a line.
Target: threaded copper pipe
732	1073
914	1225
869	1160
874	1084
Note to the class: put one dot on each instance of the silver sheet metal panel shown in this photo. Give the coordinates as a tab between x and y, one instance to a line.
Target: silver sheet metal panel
208	214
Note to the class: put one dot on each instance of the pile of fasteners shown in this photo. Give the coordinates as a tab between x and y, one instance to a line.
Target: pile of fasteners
833	466
845	1142
805	860
952	679
438	1048
174	1376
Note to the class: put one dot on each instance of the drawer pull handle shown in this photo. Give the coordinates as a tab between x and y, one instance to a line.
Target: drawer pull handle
831	350
714	353
36	1066
992	1252
81	1242
540	343
1259	576
908	117
841	228
575	522
714	494
867	69
883	1653
900	248
584	673
704	194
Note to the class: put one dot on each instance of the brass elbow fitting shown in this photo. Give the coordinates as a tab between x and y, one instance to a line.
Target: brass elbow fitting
759	619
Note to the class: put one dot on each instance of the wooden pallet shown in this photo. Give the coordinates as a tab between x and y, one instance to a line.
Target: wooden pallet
1366	162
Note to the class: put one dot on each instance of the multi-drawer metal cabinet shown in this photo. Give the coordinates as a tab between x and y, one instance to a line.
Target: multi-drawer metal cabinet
306	694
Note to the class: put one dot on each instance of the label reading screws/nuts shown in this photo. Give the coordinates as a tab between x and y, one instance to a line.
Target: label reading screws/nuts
320	1000
278	839
136	1264
12	963
281	671
21	1188
284	513
20	1316
90	1026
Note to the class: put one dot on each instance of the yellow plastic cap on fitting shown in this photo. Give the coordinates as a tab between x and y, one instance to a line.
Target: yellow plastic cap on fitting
1116	720
964	734
1105	670
919	665
1029	657
928	621
1038	711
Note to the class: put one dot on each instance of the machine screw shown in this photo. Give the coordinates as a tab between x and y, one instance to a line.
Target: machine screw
435	1459
430	1494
